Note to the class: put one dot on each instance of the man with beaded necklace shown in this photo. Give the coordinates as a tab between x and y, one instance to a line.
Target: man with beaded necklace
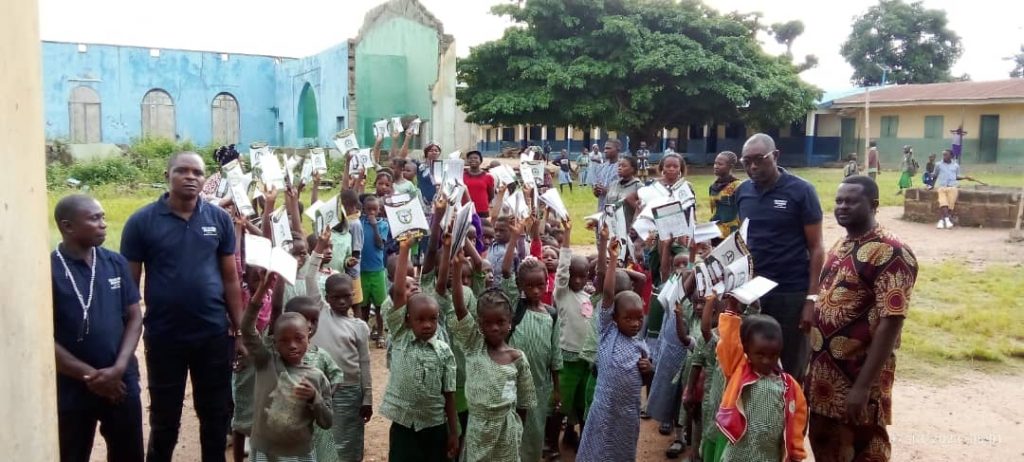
97	323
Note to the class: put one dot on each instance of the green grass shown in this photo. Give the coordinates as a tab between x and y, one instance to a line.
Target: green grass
964	316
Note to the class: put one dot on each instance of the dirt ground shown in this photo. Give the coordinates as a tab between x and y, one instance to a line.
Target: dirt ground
933	421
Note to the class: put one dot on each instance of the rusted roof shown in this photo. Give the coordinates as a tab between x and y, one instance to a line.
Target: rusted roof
995	91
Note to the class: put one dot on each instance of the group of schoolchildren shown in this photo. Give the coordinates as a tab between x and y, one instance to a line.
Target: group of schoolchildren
498	345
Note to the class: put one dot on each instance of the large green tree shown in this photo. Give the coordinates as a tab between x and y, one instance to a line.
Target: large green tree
633	66
912	44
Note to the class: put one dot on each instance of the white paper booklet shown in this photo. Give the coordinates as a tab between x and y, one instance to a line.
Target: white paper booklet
405	216
673	221
552	199
345	140
644	227
280	227
463	221
239	187
366	159
453	170
503	175
739	283
380	128
259	252
527	175
437	171
313	208
307	172
271	172
671	293
396	125
319	160
536	168
415	126
731	249
326	216
516	205
256	153
705	232
455	155
753	289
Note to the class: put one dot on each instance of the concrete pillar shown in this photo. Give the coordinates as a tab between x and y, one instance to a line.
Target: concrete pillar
28	391
520	133
544	132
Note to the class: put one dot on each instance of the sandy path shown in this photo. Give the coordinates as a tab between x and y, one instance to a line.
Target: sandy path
975	416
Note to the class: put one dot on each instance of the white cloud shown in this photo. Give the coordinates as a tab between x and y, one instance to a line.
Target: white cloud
990	29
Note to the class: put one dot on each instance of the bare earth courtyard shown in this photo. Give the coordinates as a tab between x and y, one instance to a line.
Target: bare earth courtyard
967	415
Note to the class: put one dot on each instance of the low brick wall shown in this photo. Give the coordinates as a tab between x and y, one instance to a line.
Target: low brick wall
985	206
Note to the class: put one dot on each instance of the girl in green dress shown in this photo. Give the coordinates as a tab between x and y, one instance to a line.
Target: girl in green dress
499	387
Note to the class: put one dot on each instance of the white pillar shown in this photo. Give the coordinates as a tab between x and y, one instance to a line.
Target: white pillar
519	133
29	398
543	132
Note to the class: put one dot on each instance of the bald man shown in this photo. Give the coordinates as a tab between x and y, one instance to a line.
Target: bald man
785	241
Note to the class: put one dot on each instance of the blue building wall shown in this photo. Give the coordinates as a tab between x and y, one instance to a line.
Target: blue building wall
327	74
122	75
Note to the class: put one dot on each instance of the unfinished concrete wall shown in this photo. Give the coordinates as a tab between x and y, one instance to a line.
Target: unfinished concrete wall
28	391
985	206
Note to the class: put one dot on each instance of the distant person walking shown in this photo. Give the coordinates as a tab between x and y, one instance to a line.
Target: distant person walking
908	168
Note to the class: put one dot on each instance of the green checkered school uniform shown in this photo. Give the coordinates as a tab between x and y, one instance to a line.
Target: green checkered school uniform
763	405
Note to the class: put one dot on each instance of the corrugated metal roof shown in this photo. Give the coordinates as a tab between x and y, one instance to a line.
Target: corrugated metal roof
951	92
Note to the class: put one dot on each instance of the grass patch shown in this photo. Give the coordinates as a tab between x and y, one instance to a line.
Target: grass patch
966	317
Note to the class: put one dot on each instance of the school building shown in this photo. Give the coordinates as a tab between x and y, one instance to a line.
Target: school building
924	116
399	63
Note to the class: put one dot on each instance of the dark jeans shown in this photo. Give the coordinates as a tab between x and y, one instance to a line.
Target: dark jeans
786	308
208	362
120	425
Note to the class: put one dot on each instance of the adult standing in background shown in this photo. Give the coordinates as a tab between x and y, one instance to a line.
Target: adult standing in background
193	306
784	238
874	165
583	166
596	157
607	172
865	293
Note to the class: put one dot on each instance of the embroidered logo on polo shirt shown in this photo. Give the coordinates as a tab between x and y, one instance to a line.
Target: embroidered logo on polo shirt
209	230
781	203
115	283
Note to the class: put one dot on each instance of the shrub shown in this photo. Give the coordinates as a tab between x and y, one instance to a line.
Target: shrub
150	154
114	170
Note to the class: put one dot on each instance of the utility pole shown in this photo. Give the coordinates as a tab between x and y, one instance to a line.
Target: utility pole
867	115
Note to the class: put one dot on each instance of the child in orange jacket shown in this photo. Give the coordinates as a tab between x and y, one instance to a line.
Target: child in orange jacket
763	411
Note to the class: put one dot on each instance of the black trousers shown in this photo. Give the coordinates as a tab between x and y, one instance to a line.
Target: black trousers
208	362
120	425
786	308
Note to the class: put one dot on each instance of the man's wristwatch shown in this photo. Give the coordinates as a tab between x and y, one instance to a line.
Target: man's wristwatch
812	298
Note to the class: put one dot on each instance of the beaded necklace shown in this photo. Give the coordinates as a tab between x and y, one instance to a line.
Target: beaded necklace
85	303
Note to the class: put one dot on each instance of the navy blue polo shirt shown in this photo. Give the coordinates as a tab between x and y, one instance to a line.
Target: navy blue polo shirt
114	291
426	185
776	232
184	289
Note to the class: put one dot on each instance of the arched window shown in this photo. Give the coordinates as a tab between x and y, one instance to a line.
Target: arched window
84	115
225	119
158	115
308	118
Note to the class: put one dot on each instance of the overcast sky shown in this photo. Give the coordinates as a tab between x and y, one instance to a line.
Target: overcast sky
991	30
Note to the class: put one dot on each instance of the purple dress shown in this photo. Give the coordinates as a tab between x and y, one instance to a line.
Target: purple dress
613	424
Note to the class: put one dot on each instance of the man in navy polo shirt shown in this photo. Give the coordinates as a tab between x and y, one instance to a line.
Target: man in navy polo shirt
784	237
96	327
193	305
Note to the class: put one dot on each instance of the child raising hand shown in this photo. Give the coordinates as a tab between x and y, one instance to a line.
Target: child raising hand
623	367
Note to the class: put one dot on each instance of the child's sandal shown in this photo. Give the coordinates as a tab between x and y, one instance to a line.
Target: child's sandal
675	449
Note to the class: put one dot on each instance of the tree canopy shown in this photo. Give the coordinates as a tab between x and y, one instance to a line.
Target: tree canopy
1018	64
910	42
629	65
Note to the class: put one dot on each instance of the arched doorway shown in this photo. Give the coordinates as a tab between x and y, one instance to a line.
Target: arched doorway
84	113
307	113
225	119
158	114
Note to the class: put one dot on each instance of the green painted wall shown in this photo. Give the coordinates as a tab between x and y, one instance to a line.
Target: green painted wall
396	62
1010	151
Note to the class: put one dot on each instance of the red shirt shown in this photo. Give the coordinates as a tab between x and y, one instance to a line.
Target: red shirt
478	187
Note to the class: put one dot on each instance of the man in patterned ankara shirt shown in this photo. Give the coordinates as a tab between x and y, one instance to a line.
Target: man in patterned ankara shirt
865	292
